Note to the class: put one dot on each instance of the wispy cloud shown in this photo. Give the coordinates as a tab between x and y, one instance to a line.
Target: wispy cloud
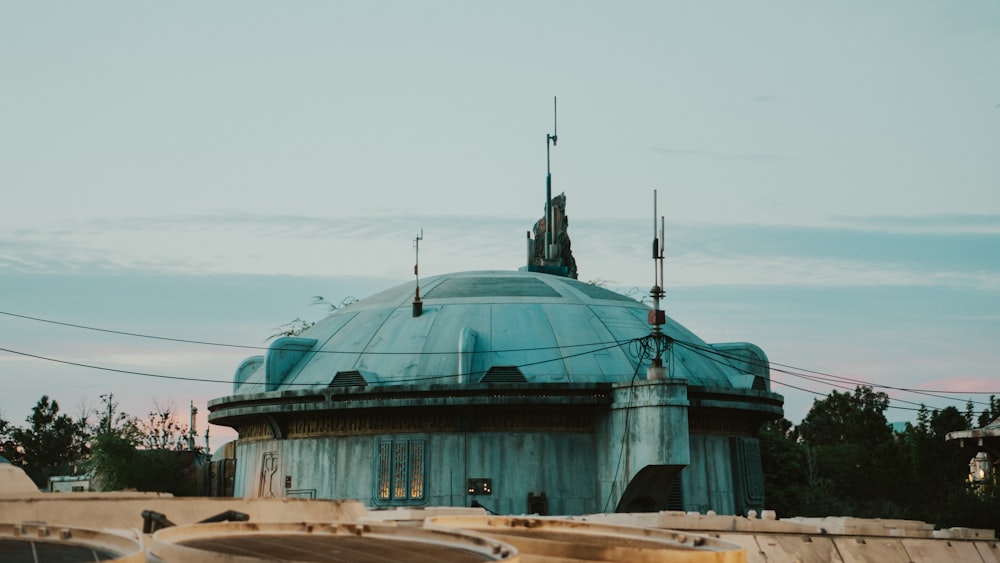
940	223
946	250
960	384
717	155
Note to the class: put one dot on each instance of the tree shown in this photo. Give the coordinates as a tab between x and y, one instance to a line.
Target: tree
841	418
786	468
8	447
52	444
990	413
162	431
844	459
146	455
116	437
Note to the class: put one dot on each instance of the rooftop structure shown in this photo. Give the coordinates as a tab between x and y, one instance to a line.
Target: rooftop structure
522	391
985	443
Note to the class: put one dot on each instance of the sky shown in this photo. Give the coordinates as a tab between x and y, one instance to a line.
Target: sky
827	173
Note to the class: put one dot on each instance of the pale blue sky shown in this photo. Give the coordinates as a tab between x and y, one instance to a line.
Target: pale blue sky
828	173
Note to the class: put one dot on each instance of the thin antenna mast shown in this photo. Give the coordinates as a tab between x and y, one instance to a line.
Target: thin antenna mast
550	141
418	305
657	317
192	429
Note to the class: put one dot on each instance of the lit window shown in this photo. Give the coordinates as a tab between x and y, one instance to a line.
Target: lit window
400	471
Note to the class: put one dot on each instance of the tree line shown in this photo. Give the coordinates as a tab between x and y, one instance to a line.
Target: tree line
844	459
119	450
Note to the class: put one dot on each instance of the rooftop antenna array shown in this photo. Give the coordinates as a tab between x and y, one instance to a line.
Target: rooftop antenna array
657	317
418	305
551	252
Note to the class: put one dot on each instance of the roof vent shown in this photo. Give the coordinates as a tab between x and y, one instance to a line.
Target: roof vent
351	378
504	374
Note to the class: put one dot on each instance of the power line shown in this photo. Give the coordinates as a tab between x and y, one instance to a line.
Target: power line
819	376
824	394
705	352
123	371
248	347
228	382
811	375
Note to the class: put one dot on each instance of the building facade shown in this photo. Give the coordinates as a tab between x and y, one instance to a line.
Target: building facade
522	392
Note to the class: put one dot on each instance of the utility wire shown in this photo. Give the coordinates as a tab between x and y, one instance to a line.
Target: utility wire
821	394
701	351
124	371
229	382
816	376
643	350
248	347
821	377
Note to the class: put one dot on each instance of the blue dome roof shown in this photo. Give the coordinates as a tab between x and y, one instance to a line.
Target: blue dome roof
482	327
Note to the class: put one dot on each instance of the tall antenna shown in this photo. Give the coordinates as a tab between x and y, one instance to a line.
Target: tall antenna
192	429
550	228
418	305
657	317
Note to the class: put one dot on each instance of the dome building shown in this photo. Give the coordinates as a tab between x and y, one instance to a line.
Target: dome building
518	391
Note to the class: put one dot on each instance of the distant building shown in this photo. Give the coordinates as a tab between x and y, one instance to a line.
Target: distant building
984	443
521	391
70	484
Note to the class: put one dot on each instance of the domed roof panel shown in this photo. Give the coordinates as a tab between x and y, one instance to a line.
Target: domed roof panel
490	286
545	328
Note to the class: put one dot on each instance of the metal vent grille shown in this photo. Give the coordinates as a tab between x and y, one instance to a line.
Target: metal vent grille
675	496
759	384
504	374
348	379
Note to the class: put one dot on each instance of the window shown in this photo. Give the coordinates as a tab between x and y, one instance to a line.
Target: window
400	471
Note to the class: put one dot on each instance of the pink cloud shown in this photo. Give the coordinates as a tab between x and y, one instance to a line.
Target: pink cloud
963	385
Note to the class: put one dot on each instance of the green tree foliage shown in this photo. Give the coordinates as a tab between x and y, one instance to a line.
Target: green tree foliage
842	418
990	413
119	450
51	444
8	446
786	467
147	455
844	459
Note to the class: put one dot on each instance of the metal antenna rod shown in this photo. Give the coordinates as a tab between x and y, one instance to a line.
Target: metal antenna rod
656	242
657	317
663	243
416	263
550	228
418	305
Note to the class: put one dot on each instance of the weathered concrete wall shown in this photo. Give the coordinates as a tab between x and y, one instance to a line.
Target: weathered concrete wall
647	426
708	480
559	464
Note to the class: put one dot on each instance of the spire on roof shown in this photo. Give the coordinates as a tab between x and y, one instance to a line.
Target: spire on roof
561	262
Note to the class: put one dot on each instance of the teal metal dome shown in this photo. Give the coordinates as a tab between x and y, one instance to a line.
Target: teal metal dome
489	327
